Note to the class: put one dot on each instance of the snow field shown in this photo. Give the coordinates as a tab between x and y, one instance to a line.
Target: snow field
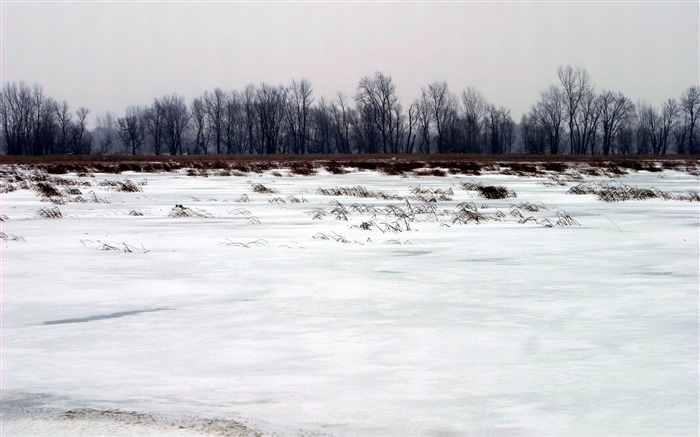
495	328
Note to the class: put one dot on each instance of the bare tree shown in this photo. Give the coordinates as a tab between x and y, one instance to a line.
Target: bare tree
234	124
132	129
668	120
532	132
106	133
250	110
200	126
16	113
341	123
64	120
42	122
690	107
576	86
176	118
549	113
412	123
615	109
214	105
474	114
270	110
299	101
378	106
155	125
648	140
424	123
322	129
500	129
81	139
442	109
586	124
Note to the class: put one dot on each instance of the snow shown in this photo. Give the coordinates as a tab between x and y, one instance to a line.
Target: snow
496	328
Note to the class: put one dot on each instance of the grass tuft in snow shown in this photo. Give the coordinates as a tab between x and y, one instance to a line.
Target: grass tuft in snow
50	213
489	191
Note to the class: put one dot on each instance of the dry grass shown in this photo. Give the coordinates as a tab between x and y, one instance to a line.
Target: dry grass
357	191
403	164
609	192
260	188
489	191
11	237
125	186
255	243
49	213
180	211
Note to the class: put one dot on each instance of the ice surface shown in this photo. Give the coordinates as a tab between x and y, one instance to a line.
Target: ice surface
498	328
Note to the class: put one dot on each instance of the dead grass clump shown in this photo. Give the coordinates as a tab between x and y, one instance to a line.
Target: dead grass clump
294	199
135	213
258	166
11	237
621	192
431	198
255	243
399	168
530	207
260	188
49	213
419	190
464	217
91	198
47	190
521	169
428	195
72	191
489	191
556	167
126	186
369	165
129	166
564	219
180	211
302	168
66	167
467	168
243	198
688	196
335	168
357	191
430	172
197	172
583	188
333	237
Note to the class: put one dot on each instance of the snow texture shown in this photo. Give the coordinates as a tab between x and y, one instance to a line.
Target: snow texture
204	306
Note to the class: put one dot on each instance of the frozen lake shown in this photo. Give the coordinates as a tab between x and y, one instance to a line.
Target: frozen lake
307	312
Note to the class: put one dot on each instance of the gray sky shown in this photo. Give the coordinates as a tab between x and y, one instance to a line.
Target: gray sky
106	56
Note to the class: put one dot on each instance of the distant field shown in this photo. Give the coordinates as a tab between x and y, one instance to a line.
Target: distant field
522	164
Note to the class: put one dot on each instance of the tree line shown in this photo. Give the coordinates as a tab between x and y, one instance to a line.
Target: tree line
569	117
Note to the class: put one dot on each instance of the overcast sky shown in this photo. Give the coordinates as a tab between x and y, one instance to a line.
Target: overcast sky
106	56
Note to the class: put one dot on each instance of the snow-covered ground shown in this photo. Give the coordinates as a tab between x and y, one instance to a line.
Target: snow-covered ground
277	316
